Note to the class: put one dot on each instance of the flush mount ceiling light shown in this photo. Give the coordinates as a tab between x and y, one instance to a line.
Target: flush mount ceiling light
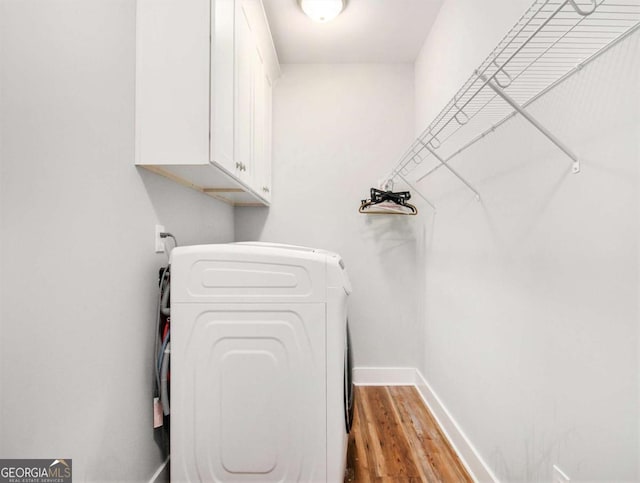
322	10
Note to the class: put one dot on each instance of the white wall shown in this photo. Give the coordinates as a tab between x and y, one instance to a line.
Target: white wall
337	129
531	323
77	218
1	209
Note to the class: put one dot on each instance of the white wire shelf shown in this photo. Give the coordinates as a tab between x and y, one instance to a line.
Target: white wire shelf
551	41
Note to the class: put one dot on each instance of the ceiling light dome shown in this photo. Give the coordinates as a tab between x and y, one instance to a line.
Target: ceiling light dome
322	10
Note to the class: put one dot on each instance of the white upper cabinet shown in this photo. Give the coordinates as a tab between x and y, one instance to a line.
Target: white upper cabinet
263	133
222	83
202	67
253	99
245	93
172	82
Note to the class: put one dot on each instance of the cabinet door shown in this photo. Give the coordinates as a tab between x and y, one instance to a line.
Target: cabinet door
259	134
265	189
244	98
172	81
254	99
222	83
262	133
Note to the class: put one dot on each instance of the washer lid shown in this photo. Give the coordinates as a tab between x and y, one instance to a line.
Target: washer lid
246	273
336	272
284	246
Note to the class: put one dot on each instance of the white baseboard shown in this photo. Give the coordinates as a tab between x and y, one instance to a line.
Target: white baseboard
162	473
467	453
384	376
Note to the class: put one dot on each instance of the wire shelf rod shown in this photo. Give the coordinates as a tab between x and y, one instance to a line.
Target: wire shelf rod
544	46
537	96
470	82
484	68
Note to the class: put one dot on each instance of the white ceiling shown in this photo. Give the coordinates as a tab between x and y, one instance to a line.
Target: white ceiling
367	31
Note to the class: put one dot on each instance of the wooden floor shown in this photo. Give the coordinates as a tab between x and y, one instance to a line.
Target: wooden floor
396	439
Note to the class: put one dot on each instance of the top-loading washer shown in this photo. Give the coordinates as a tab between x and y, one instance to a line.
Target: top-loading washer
260	376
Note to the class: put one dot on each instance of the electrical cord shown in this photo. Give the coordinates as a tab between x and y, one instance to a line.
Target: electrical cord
162	352
164	302
164	384
161	360
157	343
166	234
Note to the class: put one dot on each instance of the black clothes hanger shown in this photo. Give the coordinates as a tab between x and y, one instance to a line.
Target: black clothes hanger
388	203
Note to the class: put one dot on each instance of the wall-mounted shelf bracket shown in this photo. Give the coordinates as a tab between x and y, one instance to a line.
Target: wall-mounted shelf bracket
498	89
417	191
443	162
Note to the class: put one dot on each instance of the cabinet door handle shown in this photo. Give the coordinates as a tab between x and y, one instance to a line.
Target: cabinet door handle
239	166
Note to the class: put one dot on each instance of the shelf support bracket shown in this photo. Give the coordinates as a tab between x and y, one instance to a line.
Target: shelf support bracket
417	191
509	100
444	163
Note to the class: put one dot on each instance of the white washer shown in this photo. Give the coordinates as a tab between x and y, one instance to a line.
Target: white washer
260	377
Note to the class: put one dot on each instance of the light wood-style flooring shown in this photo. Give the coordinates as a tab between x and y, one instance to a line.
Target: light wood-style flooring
395	439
